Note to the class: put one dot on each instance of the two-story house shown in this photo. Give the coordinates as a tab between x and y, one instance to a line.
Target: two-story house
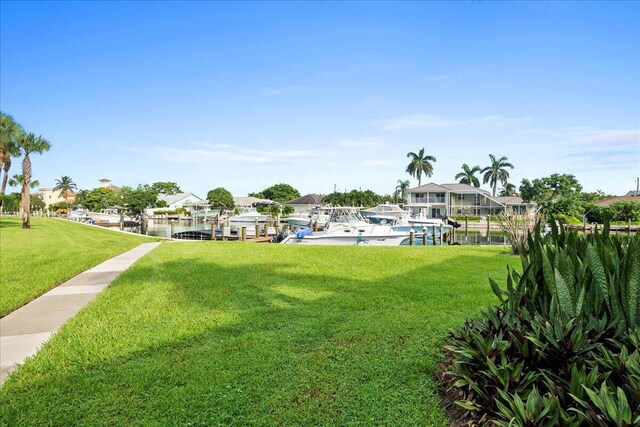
438	200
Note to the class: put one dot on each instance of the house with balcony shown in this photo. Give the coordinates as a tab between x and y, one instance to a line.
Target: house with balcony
439	200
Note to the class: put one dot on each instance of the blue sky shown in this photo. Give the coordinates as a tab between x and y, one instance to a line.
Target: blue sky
245	95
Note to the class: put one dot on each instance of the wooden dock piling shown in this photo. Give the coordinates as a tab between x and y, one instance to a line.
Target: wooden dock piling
424	235
412	237
243	234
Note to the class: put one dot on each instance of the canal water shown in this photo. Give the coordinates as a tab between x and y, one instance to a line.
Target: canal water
162	228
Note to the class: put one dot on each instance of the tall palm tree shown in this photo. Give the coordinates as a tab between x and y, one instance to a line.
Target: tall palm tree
467	176
10	132
420	165
29	144
65	185
401	189
496	171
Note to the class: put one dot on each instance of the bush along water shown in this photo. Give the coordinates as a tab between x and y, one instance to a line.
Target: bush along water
562	346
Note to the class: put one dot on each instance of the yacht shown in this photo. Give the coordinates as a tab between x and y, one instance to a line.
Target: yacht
347	227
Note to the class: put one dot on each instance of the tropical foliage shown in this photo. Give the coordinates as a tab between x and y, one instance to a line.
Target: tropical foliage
562	347
17	180
65	186
221	199
10	133
555	194
278	193
98	199
508	190
619	211
29	144
401	190
467	176
496	172
420	164
166	187
136	200
359	198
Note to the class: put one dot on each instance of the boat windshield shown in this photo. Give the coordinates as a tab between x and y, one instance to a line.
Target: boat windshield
345	215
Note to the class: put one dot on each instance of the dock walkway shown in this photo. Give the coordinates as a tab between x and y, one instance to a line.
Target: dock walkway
25	330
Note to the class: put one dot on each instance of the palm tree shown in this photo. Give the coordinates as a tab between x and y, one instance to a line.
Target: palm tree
496	172
29	143
16	181
10	132
65	185
420	164
401	189
467	176
508	190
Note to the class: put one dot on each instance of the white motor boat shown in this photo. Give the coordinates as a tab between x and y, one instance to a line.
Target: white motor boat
247	218
303	219
347	227
107	216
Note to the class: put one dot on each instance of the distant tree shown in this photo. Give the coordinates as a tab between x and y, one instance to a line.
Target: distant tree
138	199
467	176
29	144
37	203
593	196
278	193
161	204
556	194
65	185
496	172
166	187
99	198
10	133
10	202
221	199
17	180
508	190
81	196
401	190
420	164
365	198
257	195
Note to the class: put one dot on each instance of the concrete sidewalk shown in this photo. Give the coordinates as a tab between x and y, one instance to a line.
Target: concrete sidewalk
23	331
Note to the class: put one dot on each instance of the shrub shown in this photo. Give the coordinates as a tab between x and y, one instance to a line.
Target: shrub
562	347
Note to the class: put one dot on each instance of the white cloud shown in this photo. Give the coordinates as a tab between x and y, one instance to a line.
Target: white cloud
423	120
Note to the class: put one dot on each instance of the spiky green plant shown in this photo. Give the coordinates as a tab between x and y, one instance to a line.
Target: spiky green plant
562	347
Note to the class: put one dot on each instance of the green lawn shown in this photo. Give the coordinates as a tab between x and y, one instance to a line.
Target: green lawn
52	251
215	333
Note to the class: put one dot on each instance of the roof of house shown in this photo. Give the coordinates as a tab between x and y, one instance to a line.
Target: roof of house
308	199
611	200
633	193
170	199
511	200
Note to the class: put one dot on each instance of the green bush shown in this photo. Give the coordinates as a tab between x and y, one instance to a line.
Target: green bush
562	347
620	211
567	219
